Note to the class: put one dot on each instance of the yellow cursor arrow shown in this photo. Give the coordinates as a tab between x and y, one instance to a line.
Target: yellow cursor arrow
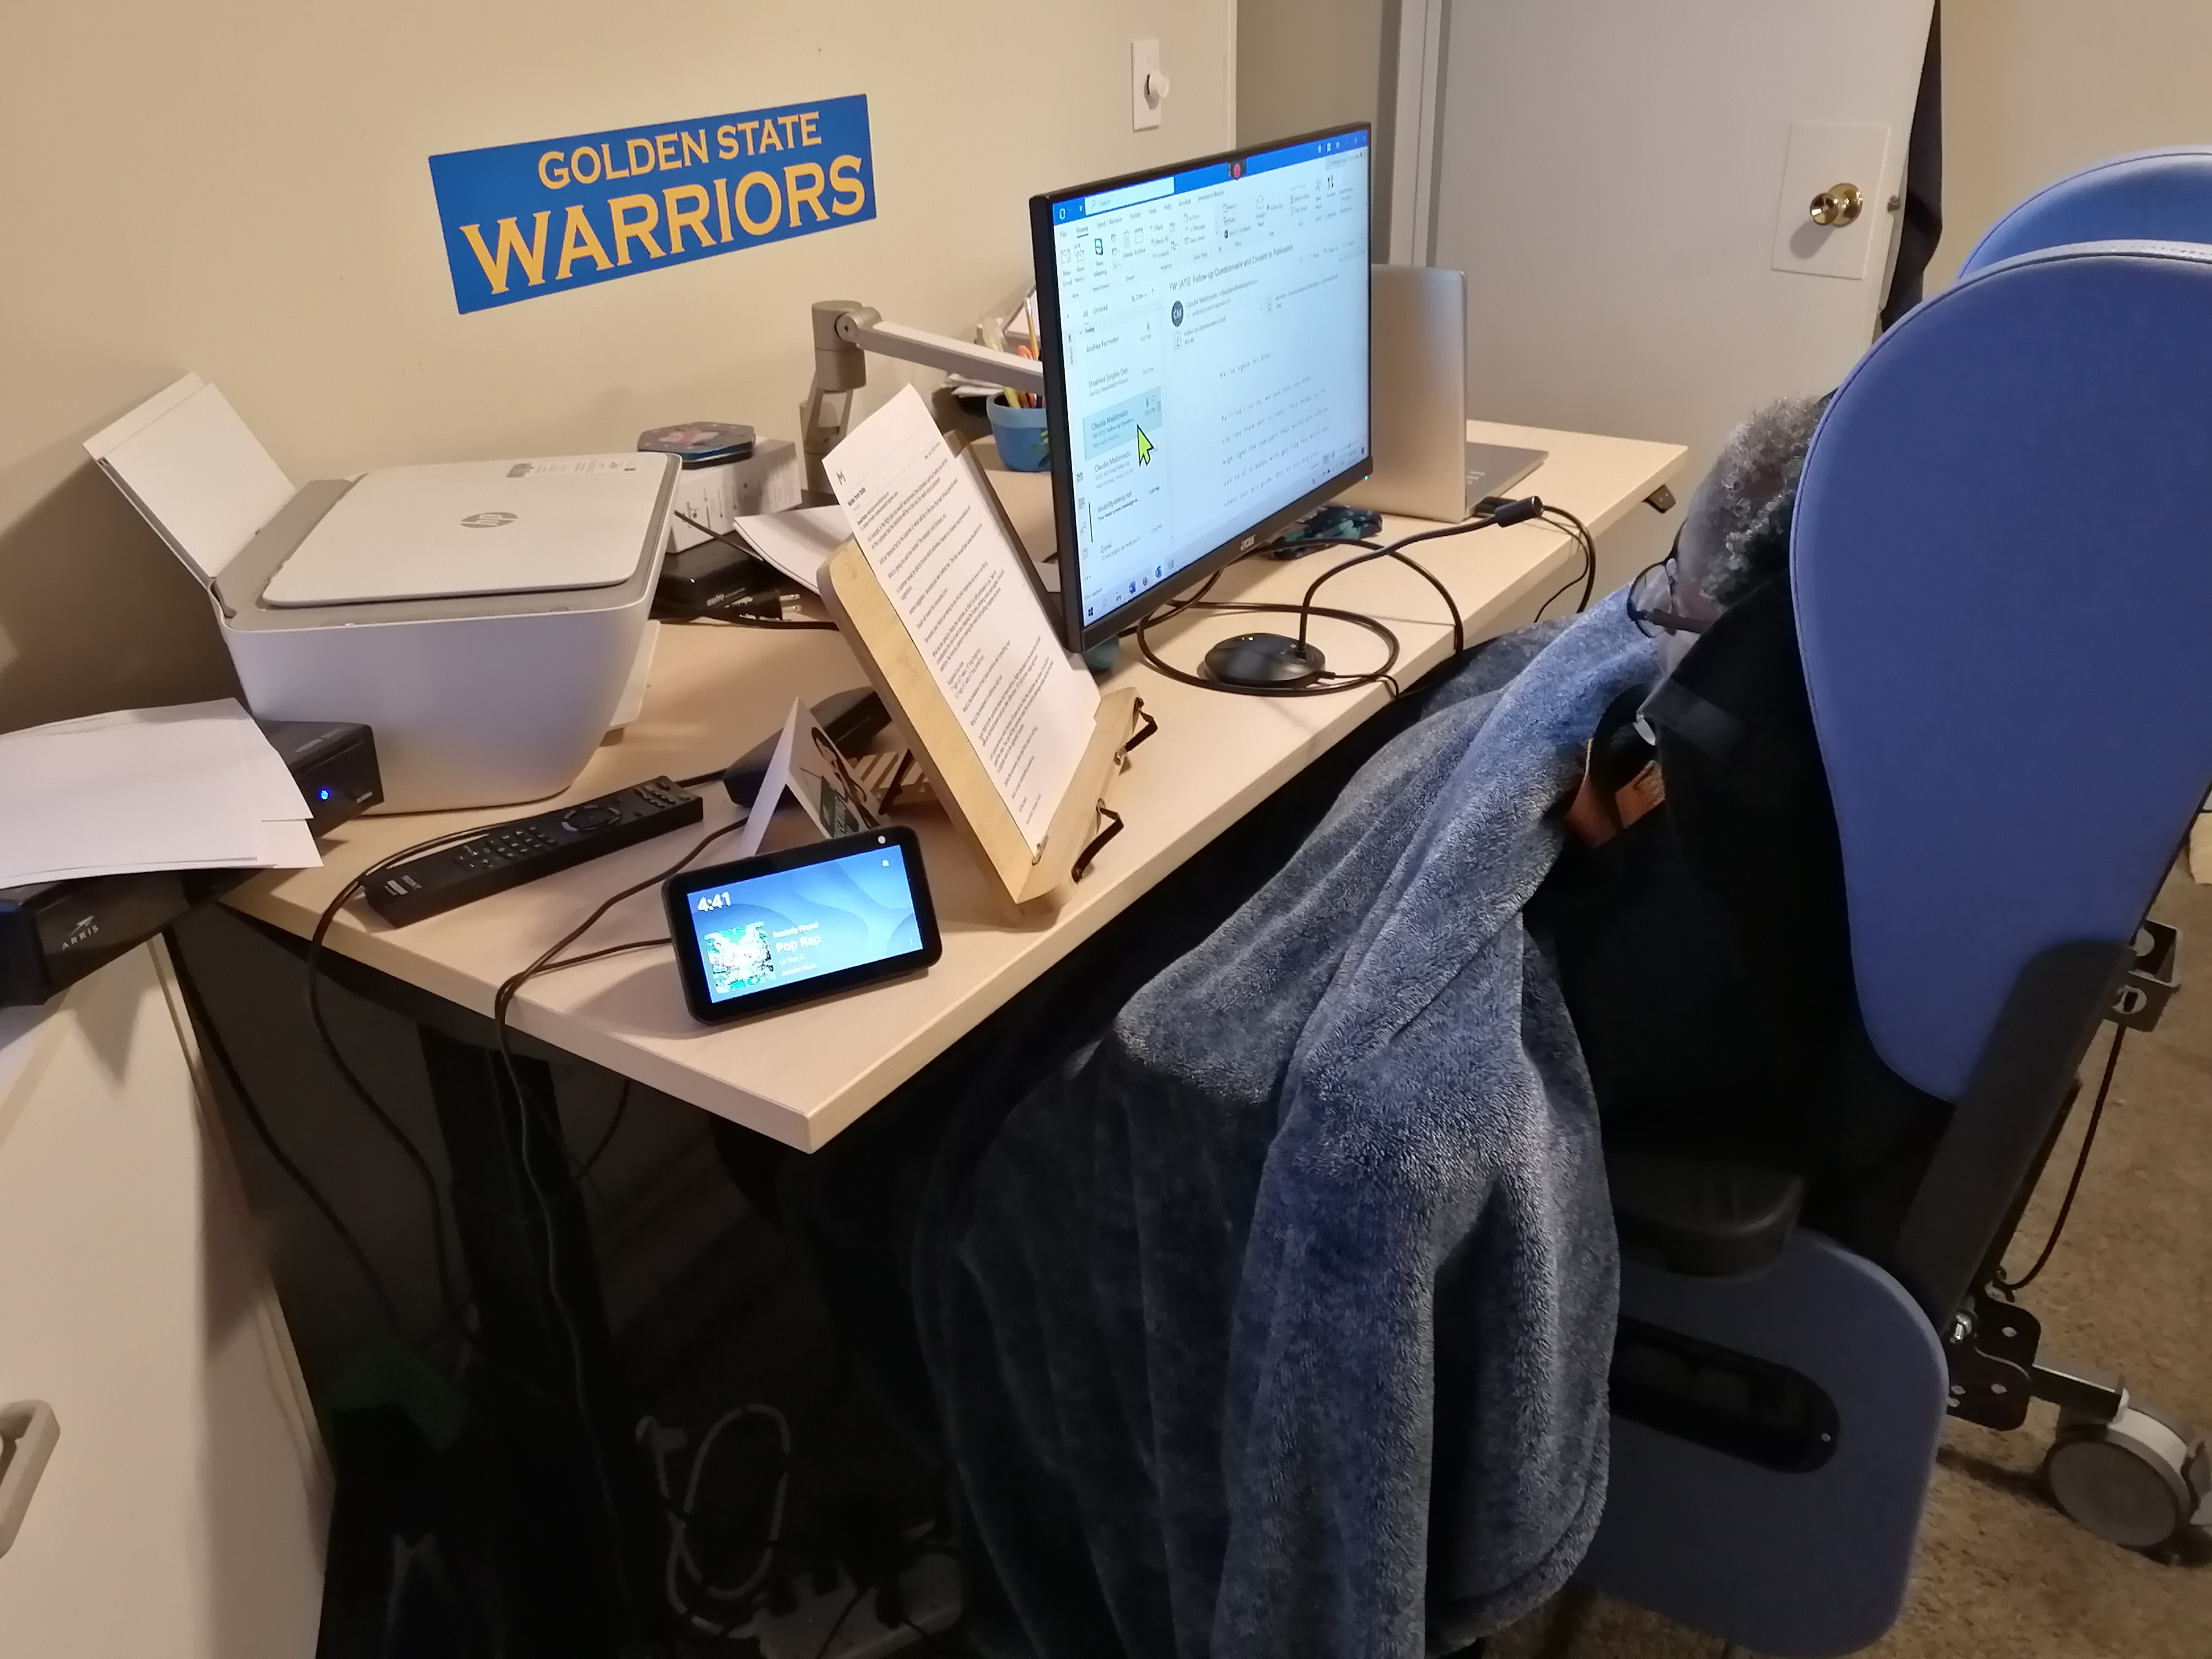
1144	448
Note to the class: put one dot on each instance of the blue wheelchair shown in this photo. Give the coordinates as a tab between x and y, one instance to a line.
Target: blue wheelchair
2011	700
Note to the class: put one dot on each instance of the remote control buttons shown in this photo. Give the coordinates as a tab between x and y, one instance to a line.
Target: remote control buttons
596	815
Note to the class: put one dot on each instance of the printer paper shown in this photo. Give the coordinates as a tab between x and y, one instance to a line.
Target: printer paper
194	786
956	579
798	541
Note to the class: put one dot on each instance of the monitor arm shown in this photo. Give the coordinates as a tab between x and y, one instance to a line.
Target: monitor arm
845	331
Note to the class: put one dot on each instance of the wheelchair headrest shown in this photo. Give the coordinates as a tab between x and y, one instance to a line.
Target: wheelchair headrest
2159	196
2004	594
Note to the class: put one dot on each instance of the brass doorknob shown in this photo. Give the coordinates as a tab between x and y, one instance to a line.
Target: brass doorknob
1838	205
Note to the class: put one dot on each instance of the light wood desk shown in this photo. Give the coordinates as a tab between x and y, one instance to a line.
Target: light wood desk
554	1393
803	1075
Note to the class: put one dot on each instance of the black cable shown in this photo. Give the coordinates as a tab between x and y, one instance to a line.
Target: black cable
501	1001
1391	549
455	1306
1518	511
1556	592
2081	1166
1168	612
622	1110
505	996
725	619
1335	683
1459	623
1559	519
390	1125
1305	610
543	964
860	1593
703	615
212	1040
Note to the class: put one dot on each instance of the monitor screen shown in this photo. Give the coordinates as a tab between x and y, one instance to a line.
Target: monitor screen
766	932
1205	336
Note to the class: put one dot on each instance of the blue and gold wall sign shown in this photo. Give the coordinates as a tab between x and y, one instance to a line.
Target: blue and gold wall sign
524	220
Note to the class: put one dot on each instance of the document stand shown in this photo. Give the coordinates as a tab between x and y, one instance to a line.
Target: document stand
879	637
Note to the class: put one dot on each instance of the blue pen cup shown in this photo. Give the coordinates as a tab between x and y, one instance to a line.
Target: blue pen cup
1024	441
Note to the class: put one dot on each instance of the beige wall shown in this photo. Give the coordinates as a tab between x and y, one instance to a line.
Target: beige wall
239	187
1306	64
2034	89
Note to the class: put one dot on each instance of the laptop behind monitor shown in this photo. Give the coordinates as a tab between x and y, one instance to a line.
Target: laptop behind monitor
1423	466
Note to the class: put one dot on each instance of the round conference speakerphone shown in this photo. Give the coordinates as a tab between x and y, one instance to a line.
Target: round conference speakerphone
1274	660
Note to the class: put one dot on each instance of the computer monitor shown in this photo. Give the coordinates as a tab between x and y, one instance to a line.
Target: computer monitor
1204	332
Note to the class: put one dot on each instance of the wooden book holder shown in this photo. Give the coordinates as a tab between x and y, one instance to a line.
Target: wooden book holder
901	675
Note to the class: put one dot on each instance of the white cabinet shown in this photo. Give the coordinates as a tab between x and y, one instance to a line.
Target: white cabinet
183	1508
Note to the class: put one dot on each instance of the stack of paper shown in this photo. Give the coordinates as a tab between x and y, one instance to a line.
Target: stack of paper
195	786
798	542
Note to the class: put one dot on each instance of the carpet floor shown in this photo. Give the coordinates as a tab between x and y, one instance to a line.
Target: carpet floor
2002	1573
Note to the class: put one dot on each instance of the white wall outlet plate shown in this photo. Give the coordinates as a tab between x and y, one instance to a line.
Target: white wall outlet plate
1148	85
1823	155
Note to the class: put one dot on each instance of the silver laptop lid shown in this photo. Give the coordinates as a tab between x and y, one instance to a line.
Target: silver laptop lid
1417	395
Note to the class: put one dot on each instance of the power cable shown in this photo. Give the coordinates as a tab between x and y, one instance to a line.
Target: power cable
1328	684
705	614
1559	519
502	1001
2010	1286
1512	511
680	1516
614	1122
211	1039
352	1080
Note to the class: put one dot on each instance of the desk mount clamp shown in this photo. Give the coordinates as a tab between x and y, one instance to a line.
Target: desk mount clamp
845	331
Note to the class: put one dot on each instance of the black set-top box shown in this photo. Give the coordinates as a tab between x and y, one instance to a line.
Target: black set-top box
52	934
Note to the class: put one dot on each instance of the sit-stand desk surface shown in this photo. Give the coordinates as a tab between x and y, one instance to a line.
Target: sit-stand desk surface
580	1540
803	1075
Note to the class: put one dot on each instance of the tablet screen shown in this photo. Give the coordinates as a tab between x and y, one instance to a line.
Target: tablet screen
761	932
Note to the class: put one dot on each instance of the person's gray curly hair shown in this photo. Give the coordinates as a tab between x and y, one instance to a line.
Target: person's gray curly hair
1743	509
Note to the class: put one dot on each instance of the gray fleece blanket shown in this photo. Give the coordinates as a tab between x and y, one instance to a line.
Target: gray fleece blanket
1277	1322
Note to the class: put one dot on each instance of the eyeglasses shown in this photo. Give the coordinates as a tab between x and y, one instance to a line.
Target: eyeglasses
1652	600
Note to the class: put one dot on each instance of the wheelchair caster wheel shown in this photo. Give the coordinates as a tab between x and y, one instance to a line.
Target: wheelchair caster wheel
2139	1480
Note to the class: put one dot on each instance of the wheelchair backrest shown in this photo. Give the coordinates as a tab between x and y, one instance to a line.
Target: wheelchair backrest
2002	572
2002	566
2159	196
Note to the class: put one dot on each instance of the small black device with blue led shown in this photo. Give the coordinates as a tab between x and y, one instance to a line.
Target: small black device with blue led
761	933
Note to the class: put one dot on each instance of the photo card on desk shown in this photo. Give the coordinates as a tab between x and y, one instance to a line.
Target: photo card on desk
806	772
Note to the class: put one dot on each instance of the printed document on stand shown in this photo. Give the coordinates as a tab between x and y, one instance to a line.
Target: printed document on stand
955	579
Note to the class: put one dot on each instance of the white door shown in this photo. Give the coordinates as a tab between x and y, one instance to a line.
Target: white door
1628	184
182	1511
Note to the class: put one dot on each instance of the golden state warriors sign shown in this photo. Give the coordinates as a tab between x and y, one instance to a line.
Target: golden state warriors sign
524	219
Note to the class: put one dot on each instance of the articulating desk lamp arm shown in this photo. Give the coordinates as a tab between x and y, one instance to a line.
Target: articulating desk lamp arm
845	331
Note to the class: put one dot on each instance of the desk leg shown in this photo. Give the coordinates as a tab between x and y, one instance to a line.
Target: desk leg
580	1537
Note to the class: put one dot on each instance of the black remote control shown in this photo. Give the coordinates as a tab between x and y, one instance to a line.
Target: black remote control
509	855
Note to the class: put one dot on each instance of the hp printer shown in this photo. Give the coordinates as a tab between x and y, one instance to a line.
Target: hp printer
482	617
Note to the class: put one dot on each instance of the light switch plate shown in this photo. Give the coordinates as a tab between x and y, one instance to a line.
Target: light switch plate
1823	153
1144	61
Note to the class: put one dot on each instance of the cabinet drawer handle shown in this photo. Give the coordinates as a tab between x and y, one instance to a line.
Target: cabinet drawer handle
28	1429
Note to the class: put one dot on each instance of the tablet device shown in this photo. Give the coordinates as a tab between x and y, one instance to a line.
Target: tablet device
762	933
